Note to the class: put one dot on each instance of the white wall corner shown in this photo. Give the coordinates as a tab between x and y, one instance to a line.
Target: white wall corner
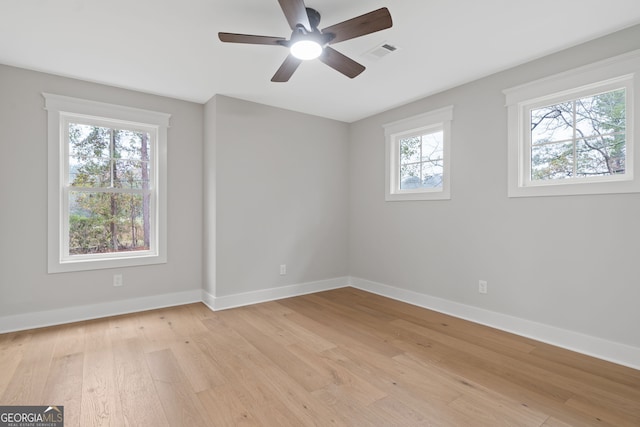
621	354
209	300
41	319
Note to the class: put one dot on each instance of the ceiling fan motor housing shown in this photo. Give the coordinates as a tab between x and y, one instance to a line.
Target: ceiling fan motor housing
314	18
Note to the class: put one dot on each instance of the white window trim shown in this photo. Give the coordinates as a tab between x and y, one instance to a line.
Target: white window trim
609	74
59	110
437	119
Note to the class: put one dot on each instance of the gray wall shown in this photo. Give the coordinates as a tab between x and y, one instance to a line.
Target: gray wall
25	285
281	196
570	262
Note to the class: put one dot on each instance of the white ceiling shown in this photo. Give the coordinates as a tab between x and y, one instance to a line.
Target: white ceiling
170	47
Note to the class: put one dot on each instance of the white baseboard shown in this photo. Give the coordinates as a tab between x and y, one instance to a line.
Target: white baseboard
255	297
586	344
60	316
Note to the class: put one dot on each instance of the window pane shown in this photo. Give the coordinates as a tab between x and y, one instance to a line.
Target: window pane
432	147
131	174
108	222
600	156
410	149
87	142
601	114
552	161
89	172
552	123
127	145
432	173
410	176
89	154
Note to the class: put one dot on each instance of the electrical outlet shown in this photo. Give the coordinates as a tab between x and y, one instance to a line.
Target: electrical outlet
283	269
482	286
117	280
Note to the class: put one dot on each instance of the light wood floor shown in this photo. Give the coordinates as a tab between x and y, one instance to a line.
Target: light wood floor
342	357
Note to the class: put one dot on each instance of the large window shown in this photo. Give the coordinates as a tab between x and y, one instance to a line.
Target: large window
107	185
574	133
418	157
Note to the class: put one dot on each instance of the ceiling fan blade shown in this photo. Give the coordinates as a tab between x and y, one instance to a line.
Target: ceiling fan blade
286	70
361	25
296	13
250	39
341	63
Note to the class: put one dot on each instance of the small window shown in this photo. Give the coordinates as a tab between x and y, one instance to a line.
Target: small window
107	185
573	133
418	157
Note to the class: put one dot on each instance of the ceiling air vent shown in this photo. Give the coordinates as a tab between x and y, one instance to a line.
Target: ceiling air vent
381	51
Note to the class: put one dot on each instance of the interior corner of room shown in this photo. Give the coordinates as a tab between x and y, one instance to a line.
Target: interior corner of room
266	203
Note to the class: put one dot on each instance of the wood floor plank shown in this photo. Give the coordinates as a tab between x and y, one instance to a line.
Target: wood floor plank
122	328
347	408
12	350
227	405
70	340
290	332
28	379
566	381
447	324
617	374
136	391
155	329
340	357
181	405
296	399
494	361
486	412
554	422
183	322
472	370
228	350
201	371
424	396
615	414
63	386
348	333
249	401
301	372
100	404
401	413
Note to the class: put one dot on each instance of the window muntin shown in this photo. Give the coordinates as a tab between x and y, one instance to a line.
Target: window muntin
107	189
418	156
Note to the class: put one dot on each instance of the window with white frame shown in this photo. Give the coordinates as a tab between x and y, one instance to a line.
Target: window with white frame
574	133
107	185
418	157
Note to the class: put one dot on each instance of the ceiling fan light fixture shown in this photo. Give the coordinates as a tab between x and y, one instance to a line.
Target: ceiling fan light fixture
309	42
306	49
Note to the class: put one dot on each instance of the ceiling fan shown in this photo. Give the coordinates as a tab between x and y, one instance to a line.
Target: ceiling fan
308	42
